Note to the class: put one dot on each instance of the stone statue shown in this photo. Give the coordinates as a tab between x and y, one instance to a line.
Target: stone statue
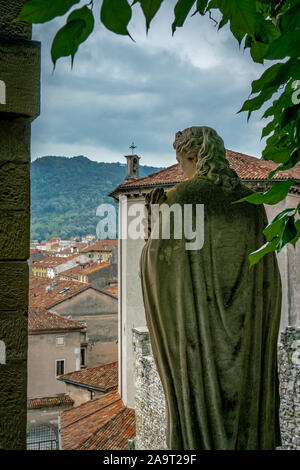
213	322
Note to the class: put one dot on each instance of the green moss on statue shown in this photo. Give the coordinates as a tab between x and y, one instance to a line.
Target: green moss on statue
214	323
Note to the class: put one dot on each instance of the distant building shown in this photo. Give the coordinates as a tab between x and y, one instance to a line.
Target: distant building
56	345
91	382
83	303
101	250
51	266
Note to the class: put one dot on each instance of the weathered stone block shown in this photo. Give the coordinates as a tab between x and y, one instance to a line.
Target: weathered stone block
14	235
13	385
13	332
14	186
20	76
8	12
13	431
13	285
15	140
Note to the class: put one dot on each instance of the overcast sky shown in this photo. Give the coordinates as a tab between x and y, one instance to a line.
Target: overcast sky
121	91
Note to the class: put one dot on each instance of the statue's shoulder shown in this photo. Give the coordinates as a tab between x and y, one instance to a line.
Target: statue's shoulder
196	189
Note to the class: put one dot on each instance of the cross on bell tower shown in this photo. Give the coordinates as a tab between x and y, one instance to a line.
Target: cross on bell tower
132	172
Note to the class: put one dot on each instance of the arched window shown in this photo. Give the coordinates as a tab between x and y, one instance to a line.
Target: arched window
41	437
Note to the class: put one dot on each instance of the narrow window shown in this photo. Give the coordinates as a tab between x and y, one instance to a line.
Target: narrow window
60	367
82	357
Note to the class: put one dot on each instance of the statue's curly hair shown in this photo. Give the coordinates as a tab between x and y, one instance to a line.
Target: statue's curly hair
207	147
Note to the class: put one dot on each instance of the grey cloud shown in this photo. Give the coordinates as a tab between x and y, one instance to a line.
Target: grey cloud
119	91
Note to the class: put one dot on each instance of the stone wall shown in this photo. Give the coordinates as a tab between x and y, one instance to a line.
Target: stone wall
289	377
19	105
150	409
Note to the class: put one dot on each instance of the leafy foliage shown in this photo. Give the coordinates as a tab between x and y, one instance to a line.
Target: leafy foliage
65	193
79	25
150	8
115	15
270	29
40	11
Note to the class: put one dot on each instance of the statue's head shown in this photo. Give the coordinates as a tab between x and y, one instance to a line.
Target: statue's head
200	151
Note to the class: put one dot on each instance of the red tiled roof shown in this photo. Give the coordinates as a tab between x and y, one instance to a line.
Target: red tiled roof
71	272
40	319
49	402
247	168
101	245
104	377
113	290
94	267
114	434
81	245
79	424
62	289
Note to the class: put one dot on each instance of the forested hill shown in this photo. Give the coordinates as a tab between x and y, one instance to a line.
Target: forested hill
65	193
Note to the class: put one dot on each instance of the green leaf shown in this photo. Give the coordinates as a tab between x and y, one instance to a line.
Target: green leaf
280	155
296	238
275	75
115	15
181	10
201	6
290	20
242	15
275	194
65	42
289	233
150	8
294	158
69	38
258	101
223	21
255	256
268	129
258	51
287	45
40	11
85	14
276	227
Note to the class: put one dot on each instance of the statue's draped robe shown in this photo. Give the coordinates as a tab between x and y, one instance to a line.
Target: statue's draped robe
213	325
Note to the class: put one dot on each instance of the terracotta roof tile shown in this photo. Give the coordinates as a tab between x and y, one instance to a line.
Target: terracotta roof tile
104	377
246	166
101	245
40	319
94	267
113	290
49	402
71	272
61	289
53	261
79	423
114	434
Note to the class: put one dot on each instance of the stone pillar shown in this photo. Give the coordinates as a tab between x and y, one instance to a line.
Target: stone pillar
19	105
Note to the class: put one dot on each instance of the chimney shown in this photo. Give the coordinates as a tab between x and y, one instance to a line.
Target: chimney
132	172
